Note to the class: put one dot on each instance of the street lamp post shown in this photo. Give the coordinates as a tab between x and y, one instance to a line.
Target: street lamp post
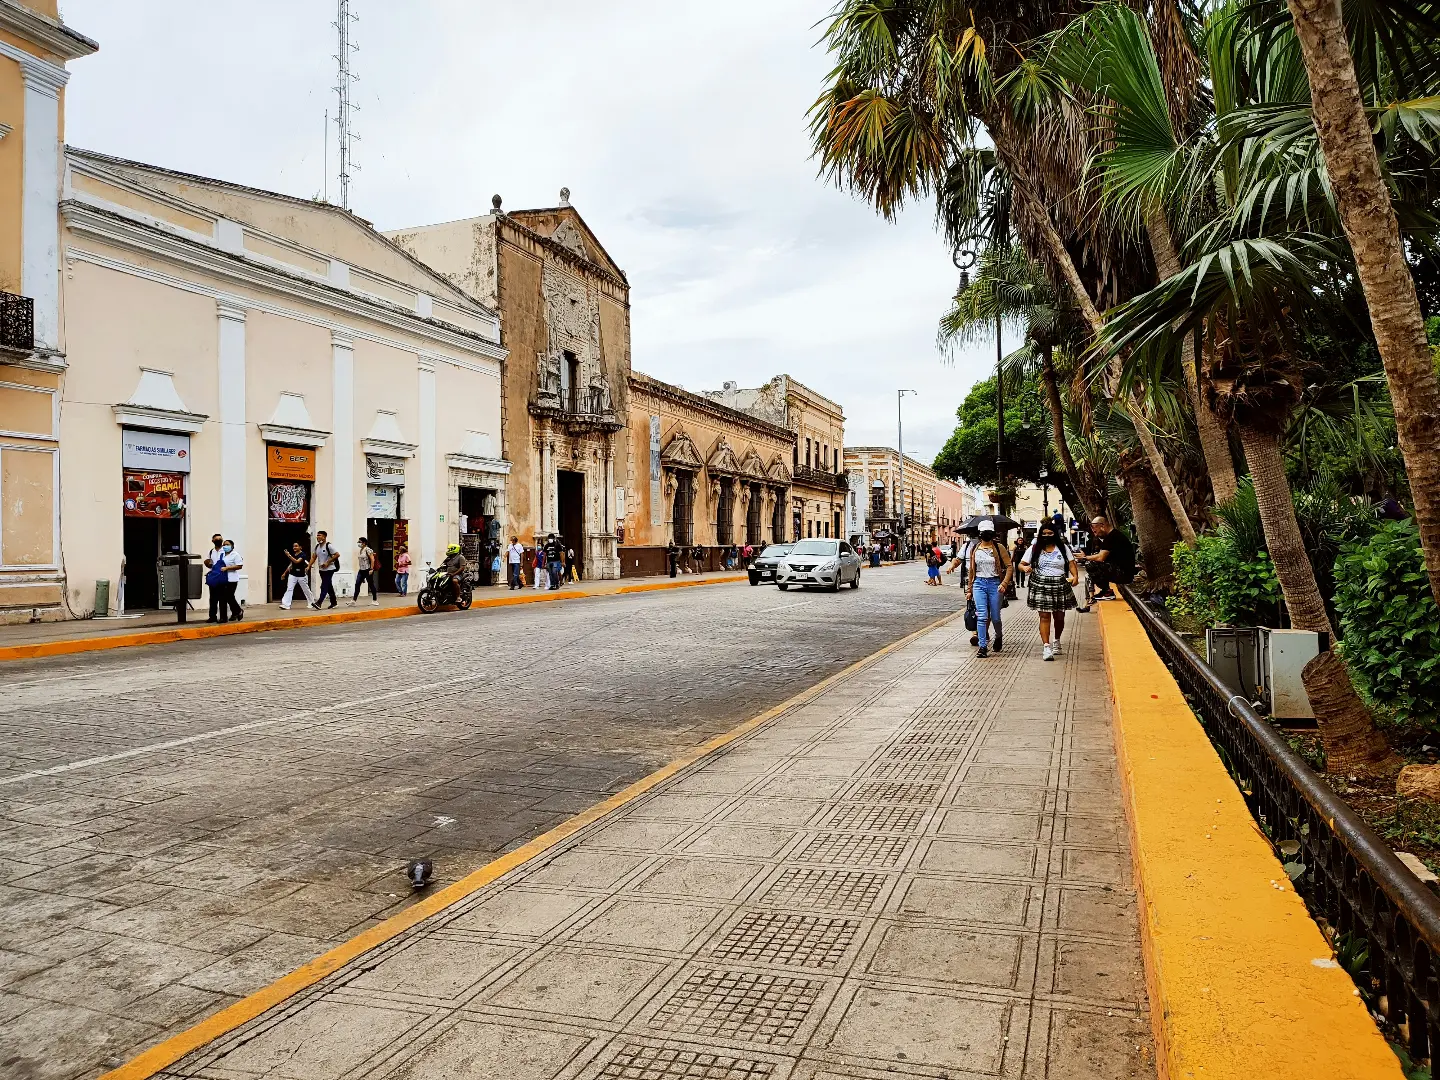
999	413
900	441
1045	488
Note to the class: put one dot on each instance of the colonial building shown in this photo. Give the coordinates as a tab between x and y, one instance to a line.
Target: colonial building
34	48
820	490
701	474
264	367
882	475
565	308
953	504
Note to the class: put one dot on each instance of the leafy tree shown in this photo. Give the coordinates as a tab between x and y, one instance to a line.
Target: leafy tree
969	454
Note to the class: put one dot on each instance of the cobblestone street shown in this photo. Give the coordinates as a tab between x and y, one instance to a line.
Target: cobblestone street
182	824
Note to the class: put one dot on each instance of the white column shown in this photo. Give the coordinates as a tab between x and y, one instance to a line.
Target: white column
40	201
232	434
428	531
547	488
342	442
608	525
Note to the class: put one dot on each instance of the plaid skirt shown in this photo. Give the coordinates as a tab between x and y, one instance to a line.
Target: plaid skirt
1050	593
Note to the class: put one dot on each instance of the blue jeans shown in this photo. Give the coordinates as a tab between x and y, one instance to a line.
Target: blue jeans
402	583
987	608
557	571
327	586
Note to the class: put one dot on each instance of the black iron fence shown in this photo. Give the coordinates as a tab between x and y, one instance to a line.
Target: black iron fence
17	322
1347	874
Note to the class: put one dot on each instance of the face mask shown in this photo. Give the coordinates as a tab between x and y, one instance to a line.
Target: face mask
229	547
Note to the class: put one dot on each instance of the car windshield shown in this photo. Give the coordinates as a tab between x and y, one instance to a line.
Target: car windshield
774	551
816	547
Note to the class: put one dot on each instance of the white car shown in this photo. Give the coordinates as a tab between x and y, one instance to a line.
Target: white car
825	564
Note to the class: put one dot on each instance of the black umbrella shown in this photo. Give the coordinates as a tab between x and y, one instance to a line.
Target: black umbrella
1003	524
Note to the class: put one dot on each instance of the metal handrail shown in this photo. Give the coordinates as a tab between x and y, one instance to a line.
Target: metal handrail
1352	879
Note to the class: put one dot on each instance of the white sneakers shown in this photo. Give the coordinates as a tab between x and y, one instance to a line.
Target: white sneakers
1049	652
1055	648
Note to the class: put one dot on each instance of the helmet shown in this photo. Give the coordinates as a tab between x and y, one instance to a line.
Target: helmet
453	549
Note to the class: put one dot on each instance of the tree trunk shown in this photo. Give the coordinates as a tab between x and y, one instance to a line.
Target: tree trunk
1057	425
1055	245
1352	743
1374	234
1214	443
1154	525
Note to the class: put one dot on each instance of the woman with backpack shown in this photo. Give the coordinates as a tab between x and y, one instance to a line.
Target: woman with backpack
989	577
1053	574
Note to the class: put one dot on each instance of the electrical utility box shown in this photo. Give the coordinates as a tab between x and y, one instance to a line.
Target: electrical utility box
1283	656
1233	653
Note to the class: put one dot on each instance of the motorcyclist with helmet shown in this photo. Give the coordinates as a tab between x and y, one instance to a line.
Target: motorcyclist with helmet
455	566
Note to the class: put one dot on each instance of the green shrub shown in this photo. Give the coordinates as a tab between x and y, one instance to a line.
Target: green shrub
1215	583
1390	622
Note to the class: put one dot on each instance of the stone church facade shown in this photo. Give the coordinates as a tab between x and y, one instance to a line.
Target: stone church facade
565	320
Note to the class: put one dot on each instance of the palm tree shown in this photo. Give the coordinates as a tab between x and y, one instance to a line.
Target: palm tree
1404	35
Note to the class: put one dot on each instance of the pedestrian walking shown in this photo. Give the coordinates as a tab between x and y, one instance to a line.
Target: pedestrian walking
402	570
672	557
932	567
990	572
746	554
554	561
367	566
1114	560
1017	553
514	556
222	575
1053	576
297	575
326	559
542	576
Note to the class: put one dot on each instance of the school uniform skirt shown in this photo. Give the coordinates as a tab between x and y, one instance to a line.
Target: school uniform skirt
1050	593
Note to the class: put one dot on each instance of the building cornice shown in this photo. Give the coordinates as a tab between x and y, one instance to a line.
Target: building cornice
146	416
54	37
84	220
498	466
314	438
646	384
387	448
554	247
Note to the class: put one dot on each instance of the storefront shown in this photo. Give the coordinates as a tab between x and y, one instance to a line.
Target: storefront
386	528
290	475
155	471
480	531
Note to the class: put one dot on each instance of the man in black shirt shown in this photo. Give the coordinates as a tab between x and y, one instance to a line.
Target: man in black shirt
1113	561
555	558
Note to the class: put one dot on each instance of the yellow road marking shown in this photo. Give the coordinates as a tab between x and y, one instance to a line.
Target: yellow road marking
173	1049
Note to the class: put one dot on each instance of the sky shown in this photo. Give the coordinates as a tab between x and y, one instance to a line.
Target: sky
680	128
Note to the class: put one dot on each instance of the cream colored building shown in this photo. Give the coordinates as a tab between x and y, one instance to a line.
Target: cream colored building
700	473
34	48
880	474
244	362
819	494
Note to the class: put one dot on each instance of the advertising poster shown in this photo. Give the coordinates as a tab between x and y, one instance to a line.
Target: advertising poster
290	463
289	502
154	494
657	510
154	451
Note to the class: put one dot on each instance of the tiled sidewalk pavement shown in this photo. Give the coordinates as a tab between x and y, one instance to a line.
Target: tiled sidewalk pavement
921	872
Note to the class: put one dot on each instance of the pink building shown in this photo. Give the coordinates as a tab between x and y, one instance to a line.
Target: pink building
953	504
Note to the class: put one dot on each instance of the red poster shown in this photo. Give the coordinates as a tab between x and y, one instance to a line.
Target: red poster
154	494
289	502
402	533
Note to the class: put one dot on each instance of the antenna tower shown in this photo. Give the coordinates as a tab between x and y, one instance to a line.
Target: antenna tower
343	22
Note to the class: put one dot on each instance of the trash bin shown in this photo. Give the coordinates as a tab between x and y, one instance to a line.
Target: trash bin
102	598
180	581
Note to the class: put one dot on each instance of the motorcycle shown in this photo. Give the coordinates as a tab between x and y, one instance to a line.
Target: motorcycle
440	589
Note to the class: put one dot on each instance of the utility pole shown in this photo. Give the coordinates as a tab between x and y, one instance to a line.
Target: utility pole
900	440
343	20
999	417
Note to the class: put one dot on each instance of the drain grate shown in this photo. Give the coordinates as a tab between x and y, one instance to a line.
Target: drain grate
902	754
863	818
746	1005
854	851
911	770
828	890
770	937
637	1061
876	791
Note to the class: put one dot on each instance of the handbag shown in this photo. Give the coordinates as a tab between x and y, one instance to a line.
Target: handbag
972	620
217	575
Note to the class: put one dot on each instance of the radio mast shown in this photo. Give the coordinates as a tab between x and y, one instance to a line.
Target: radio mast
343	21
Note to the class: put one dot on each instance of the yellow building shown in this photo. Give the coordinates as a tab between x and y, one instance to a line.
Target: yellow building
34	48
819	494
882	476
701	474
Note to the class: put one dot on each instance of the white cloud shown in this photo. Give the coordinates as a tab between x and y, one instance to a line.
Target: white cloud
679	127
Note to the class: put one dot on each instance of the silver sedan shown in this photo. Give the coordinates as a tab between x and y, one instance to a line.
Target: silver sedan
823	564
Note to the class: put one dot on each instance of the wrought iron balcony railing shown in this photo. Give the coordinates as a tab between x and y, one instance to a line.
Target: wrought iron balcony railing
804	474
17	322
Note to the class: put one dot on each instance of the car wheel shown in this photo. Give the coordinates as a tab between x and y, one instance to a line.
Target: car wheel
754	579
856	583
784	585
835	585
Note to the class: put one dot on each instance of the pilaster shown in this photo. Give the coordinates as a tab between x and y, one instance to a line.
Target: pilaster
231	324
428	527
342	461
40	197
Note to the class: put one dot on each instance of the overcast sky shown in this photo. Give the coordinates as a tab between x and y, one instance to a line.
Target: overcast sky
678	126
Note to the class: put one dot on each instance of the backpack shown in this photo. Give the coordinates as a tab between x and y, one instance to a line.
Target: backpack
217	575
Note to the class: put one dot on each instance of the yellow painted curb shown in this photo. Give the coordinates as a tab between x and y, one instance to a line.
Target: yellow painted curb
164	1054
1242	983
193	633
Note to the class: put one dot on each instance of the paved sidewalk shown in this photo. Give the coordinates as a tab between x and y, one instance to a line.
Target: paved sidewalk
920	872
23	634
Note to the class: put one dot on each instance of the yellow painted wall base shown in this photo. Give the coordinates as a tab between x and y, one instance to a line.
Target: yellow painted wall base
1242	983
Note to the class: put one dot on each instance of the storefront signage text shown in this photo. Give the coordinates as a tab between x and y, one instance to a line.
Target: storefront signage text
154	451
290	463
154	494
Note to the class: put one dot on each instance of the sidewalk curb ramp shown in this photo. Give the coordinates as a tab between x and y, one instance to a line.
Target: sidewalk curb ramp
1242	983
161	1056
72	646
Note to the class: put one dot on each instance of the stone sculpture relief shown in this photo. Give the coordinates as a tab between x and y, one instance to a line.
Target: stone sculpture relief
547	379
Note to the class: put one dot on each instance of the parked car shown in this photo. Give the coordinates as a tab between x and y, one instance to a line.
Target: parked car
762	567
823	564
